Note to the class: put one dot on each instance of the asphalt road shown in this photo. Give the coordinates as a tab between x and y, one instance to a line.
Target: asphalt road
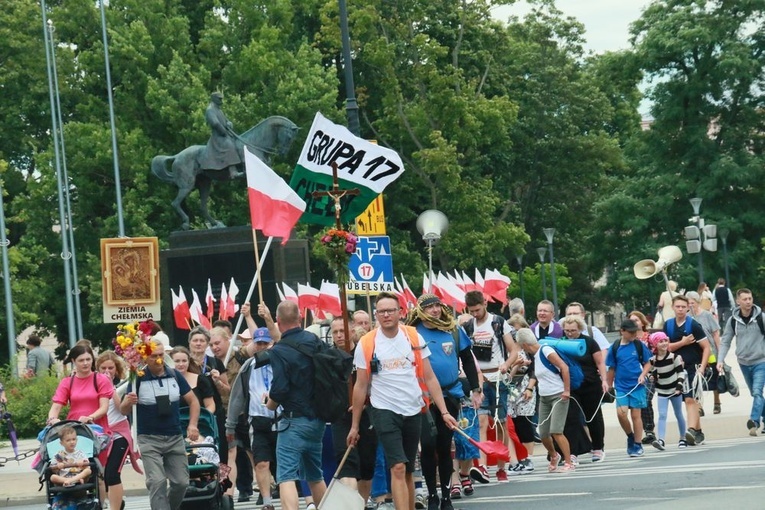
719	474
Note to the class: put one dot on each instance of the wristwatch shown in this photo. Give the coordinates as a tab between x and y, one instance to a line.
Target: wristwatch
477	390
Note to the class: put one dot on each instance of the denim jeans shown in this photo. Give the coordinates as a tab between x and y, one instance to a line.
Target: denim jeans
754	375
298	450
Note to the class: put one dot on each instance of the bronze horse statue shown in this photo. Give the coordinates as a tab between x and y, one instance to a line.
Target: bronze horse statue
272	136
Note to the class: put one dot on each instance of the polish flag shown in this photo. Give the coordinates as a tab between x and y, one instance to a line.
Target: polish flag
280	293
275	208
233	292
180	311
223	308
479	283
308	298
411	299
469	284
496	285
402	303
453	296
291	295
329	299
457	280
209	301
196	311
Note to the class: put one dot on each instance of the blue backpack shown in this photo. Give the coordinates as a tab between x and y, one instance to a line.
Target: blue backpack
575	374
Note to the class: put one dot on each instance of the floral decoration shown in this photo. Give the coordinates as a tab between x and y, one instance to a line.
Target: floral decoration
134	344
340	245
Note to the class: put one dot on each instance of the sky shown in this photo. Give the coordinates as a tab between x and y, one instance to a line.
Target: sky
606	21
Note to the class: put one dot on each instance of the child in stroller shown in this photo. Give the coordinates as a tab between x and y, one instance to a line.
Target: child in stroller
70	466
70	486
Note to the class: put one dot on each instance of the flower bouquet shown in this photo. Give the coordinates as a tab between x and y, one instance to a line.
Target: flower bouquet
340	245
134	344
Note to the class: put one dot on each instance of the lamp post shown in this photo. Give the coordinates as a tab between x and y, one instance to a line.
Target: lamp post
10	324
351	107
542	252
724	238
431	224
549	234
519	258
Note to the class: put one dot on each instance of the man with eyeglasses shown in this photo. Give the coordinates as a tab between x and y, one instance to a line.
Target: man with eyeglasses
393	360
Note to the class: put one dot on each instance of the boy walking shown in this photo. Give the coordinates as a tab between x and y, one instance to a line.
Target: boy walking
626	360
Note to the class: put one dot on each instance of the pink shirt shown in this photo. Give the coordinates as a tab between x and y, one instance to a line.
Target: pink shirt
83	399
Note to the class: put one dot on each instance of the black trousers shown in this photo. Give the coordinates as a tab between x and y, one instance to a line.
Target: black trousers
436	451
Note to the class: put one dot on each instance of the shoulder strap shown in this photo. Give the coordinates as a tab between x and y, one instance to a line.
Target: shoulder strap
456	336
368	347
688	325
614	348
639	348
761	324
546	362
302	349
498	323
670	327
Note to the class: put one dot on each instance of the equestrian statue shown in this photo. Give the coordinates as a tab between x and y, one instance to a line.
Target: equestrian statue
222	158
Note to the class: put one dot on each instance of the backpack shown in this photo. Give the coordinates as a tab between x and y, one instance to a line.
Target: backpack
638	347
368	345
575	374
331	372
671	323
498	325
758	319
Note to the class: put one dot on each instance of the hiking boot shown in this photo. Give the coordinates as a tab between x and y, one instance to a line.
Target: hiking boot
658	444
502	476
598	455
682	444
456	492
467	485
690	437
480	474
649	437
752	426
434	503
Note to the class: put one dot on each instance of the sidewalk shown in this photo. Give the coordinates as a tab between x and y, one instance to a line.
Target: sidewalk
19	484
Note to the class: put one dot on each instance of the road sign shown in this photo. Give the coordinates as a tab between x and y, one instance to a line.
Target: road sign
372	221
371	267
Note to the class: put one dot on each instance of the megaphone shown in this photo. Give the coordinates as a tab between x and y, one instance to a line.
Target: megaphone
648	268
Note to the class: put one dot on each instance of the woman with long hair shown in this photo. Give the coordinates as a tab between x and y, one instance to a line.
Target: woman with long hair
109	364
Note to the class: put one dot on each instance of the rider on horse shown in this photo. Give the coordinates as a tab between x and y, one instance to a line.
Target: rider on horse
221	151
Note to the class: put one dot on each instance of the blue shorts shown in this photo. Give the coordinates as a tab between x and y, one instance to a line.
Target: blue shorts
464	449
637	399
298	450
490	405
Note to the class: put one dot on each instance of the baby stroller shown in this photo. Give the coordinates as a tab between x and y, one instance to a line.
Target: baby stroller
82	496
205	490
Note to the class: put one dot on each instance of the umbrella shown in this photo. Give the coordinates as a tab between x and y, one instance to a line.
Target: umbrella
6	417
495	448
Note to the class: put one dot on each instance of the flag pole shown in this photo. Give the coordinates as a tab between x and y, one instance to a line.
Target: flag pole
255	280
257	264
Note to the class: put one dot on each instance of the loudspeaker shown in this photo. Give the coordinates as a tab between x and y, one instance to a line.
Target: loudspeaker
647	268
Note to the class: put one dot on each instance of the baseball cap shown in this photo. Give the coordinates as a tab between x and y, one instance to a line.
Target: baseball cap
262	335
628	325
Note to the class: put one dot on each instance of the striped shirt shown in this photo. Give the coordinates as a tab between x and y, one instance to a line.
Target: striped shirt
668	373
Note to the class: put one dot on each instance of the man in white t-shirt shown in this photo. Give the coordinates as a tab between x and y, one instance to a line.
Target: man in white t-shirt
496	351
386	361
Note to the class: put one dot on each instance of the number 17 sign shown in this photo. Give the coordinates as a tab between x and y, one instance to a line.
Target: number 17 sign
371	267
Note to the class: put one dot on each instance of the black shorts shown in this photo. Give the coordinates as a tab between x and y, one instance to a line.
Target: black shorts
360	463
242	433
263	440
398	435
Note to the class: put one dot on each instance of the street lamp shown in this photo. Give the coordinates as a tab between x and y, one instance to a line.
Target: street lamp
542	252
549	233
10	324
724	238
700	237
431	224
519	258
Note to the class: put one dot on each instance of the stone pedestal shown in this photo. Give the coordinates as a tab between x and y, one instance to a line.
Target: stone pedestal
220	254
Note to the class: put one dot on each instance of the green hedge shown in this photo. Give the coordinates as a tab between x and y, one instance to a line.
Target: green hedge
29	401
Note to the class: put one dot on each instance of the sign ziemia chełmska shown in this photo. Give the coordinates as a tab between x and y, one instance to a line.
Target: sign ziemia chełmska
130	279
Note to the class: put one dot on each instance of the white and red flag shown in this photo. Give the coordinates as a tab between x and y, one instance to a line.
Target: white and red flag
223	308
196	311
291	295
496	285
329	299
209	302
231	306
275	208
308	297
181	314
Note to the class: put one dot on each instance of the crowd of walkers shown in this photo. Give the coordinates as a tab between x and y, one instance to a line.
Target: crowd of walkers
429	388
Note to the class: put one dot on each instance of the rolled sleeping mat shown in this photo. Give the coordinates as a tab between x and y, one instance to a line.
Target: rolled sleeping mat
576	347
